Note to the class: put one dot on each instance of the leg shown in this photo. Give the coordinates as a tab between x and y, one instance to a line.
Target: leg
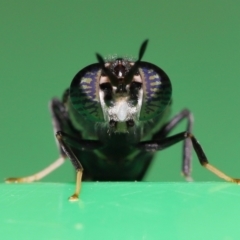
75	163
167	142
65	142
187	145
39	175
60	120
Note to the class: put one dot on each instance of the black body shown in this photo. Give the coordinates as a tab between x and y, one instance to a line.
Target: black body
117	157
112	120
88	130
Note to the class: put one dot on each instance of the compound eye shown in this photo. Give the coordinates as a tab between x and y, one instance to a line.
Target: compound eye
84	93
157	91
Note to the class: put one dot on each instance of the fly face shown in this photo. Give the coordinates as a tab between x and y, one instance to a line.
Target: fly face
120	102
120	93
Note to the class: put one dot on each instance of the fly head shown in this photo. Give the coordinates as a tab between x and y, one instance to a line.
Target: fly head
121	93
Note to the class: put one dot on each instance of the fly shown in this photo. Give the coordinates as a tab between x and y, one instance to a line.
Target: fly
112	120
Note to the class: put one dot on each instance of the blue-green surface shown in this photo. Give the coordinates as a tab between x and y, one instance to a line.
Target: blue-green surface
121	211
43	44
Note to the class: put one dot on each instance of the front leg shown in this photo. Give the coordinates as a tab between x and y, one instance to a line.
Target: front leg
66	142
169	141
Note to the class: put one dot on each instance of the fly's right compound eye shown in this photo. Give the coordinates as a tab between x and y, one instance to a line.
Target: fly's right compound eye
84	93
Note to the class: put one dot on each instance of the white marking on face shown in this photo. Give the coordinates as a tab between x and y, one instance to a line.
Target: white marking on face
103	105
122	110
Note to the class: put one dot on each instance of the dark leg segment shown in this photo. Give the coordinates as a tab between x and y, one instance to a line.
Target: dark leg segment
67	150
187	145
204	162
167	142
60	120
71	138
65	142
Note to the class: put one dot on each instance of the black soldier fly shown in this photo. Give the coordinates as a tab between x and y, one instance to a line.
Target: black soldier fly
112	120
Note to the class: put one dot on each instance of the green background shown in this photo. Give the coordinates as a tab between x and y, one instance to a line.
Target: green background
42	46
44	43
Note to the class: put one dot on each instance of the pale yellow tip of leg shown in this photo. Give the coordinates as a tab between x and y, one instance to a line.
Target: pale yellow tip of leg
74	198
14	180
237	181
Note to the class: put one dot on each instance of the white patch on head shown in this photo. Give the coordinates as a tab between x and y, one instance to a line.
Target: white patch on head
122	110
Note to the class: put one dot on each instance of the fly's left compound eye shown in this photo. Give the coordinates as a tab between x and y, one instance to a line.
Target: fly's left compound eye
157	90
84	93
